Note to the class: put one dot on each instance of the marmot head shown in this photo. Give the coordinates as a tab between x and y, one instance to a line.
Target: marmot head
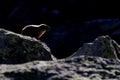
35	30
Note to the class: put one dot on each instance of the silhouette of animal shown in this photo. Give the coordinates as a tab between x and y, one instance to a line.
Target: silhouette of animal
36	31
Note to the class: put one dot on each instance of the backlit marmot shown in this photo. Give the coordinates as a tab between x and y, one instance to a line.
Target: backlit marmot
35	30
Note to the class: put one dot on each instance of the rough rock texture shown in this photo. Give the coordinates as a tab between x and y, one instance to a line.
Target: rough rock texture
102	46
16	48
77	68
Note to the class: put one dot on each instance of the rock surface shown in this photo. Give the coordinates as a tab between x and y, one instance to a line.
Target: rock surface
102	46
16	48
85	64
70	36
77	68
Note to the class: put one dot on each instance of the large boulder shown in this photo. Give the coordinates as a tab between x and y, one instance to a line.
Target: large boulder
102	46
16	48
77	68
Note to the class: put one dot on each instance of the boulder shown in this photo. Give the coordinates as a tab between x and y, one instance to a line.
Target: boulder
16	48
102	46
77	68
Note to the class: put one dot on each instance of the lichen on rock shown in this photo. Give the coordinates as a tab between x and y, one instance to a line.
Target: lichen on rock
16	48
76	68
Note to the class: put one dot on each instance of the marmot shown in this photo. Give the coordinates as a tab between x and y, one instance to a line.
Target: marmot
35	30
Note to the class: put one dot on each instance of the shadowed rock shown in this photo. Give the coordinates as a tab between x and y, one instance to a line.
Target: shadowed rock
16	48
102	46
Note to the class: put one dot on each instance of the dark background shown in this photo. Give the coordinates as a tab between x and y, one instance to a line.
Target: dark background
73	22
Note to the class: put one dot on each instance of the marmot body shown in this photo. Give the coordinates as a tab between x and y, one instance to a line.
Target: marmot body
35	30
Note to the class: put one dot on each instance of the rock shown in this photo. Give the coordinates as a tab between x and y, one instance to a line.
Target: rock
16	48
102	46
77	68
70	36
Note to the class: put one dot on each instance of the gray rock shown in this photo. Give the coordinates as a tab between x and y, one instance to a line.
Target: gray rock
102	46
16	48
77	68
